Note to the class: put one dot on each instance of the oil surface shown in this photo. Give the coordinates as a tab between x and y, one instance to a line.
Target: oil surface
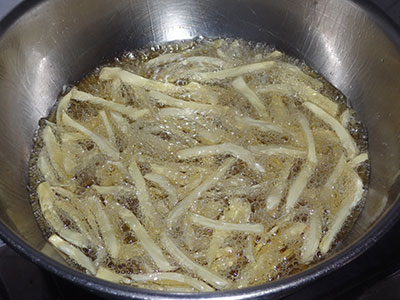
254	189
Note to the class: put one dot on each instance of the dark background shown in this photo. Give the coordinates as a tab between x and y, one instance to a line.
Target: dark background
391	8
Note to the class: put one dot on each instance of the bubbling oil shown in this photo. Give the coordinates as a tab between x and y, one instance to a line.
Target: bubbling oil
78	169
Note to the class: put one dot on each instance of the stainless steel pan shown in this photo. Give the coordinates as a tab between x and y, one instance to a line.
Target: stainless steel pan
45	45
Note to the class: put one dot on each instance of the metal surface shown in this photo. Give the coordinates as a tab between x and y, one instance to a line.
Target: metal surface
47	44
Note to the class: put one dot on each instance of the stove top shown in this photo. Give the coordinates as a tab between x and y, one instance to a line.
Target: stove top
374	275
